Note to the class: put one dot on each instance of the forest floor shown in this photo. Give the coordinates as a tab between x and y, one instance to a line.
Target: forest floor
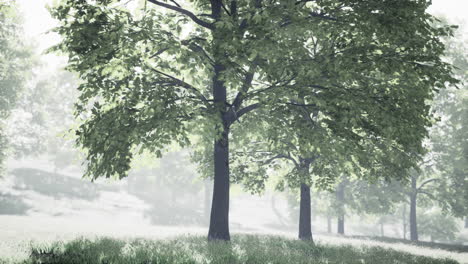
252	249
42	216
19	233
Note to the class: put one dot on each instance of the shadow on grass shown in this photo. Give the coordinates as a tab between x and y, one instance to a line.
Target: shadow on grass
242	249
448	247
54	185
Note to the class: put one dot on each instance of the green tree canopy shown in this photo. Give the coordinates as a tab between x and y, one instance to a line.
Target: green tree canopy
157	74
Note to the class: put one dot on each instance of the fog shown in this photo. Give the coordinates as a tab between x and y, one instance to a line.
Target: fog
45	194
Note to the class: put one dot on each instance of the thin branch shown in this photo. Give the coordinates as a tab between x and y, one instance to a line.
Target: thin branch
426	182
431	196
225	9
281	156
175	3
159	52
302	105
194	47
183	84
185	12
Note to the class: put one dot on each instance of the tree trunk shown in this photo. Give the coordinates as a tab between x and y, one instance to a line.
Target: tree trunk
329	224
341	225
466	221
413	221
305	232
219	219
404	221
340	199
381	229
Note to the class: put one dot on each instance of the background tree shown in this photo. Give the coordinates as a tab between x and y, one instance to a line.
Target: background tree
15	66
437	226
450	138
443	176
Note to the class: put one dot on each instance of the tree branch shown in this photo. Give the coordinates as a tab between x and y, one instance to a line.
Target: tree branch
196	48
225	9
281	156
185	12
245	86
246	109
430	195
175	3
159	52
426	182
183	84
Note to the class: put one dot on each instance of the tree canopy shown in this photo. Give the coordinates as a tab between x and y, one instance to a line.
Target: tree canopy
159	73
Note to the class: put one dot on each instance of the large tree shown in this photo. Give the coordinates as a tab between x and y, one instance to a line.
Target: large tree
154	75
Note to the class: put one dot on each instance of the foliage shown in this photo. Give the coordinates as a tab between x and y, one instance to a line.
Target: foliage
15	66
243	249
43	116
450	140
437	226
144	70
442	177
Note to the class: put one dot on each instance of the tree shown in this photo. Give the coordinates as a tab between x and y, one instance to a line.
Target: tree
450	140
372	196
437	225
150	77
442	178
15	66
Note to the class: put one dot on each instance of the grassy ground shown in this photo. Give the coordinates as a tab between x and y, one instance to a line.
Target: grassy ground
434	245
195	249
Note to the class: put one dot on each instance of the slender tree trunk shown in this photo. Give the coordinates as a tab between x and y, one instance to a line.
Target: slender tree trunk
340	225
404	221
466	221
329	224
340	199
305	231
382	229
413	220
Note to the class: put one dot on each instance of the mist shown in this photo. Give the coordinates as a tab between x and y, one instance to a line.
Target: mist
82	162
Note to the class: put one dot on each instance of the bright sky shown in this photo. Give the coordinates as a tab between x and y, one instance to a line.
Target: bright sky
38	20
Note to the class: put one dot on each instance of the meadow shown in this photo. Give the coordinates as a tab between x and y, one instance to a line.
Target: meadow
196	249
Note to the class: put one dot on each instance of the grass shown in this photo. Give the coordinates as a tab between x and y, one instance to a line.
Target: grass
448	247
195	249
